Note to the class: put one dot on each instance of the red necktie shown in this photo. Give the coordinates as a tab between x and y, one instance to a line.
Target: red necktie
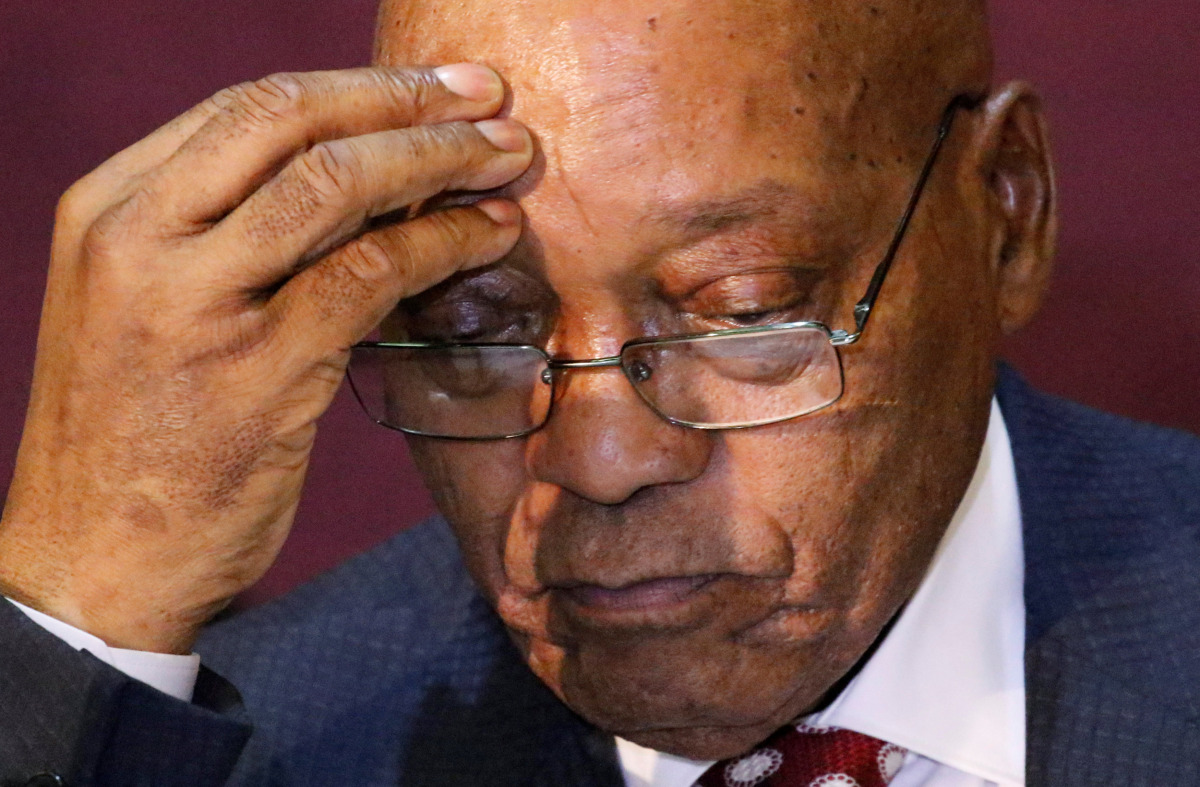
810	757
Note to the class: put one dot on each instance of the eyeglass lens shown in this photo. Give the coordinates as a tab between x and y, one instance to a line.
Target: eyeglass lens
737	380
466	392
480	392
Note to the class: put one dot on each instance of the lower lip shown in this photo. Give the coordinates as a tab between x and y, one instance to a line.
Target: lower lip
643	596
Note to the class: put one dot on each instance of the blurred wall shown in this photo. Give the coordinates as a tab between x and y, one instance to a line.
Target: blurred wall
1121	330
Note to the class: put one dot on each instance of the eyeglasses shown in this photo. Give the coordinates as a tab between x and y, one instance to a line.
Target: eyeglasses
730	379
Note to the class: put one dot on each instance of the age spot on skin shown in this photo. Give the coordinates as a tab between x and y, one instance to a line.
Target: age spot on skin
231	464
144	514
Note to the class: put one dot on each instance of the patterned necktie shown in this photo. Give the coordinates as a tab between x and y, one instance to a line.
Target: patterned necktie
810	757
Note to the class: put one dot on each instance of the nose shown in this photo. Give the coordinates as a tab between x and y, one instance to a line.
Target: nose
603	443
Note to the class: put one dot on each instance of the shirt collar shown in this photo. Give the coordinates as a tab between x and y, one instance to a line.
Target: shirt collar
948	680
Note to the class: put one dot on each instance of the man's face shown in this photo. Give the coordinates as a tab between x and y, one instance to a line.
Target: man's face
706	166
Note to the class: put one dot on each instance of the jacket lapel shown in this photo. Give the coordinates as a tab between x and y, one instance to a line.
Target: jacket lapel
1111	590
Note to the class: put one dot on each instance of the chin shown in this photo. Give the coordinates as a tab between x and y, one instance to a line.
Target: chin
683	718
695	695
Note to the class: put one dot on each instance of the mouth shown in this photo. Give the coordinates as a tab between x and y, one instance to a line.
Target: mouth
662	604
644	596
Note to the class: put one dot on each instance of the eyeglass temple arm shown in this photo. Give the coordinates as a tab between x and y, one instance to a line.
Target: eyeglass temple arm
862	310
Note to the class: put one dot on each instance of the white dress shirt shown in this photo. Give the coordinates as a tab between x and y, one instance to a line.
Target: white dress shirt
169	673
947	682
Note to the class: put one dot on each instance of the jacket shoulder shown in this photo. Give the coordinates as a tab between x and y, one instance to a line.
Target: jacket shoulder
1070	454
1111	524
387	667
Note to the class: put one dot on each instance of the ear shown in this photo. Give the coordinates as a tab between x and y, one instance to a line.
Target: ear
1018	172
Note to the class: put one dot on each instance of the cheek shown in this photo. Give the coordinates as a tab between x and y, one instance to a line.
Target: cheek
804	477
934	337
860	507
476	486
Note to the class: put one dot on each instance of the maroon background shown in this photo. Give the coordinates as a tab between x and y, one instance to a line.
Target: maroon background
1121	330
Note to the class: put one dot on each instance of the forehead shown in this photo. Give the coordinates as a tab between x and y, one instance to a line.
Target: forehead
646	112
846	60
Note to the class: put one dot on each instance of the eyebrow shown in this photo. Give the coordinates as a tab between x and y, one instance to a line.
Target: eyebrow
764	199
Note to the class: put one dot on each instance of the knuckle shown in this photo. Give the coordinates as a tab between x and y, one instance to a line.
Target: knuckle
331	169
417	143
371	260
462	139
468	153
225	98
477	152
117	229
455	228
272	99
104	239
73	204
94	192
448	146
416	88
286	87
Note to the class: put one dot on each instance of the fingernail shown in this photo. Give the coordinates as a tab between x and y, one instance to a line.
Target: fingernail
501	211
471	81
505	134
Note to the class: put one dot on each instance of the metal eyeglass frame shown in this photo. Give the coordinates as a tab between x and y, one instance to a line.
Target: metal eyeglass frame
838	338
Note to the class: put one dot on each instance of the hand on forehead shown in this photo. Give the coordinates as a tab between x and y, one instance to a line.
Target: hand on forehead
644	106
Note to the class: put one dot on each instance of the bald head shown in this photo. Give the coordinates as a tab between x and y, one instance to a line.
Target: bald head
849	63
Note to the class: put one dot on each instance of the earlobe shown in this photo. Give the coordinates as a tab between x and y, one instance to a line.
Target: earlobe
1019	173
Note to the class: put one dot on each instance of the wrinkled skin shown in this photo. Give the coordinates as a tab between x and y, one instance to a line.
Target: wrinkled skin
204	287
692	166
708	165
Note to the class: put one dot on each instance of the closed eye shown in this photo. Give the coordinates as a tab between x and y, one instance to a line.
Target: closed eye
765	297
495	306
764	317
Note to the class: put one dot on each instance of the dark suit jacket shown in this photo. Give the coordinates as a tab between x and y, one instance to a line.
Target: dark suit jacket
391	671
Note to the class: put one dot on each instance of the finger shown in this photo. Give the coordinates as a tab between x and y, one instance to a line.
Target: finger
117	178
265	123
152	150
327	195
341	299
